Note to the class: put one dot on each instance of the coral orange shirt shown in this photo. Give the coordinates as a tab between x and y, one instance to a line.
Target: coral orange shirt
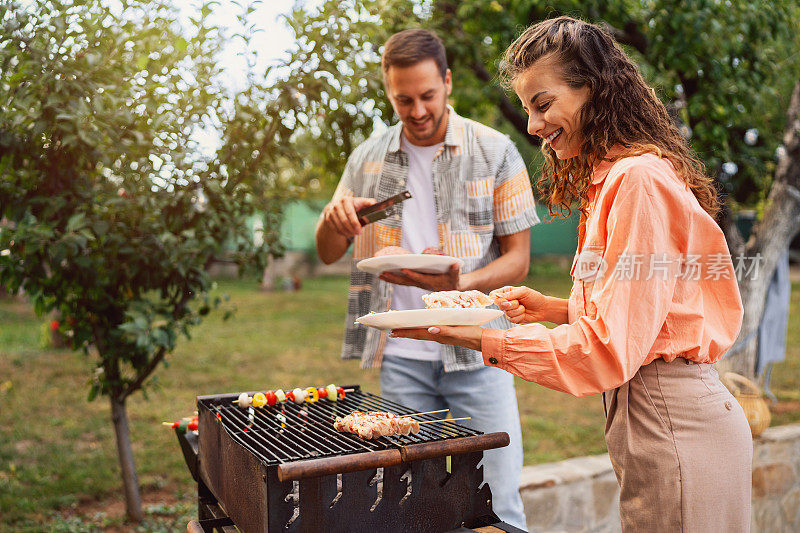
652	278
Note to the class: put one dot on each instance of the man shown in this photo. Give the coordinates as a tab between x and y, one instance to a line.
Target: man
471	198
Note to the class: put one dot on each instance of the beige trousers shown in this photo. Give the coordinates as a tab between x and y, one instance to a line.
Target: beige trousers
682	451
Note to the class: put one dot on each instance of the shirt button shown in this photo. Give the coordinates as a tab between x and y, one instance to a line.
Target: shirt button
493	360
728	405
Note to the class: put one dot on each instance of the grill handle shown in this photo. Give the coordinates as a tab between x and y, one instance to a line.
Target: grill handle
355	462
441	448
338	465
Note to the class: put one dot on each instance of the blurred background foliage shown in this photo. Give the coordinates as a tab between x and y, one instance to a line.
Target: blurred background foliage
725	69
110	214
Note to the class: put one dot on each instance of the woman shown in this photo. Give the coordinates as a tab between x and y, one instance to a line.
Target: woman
654	300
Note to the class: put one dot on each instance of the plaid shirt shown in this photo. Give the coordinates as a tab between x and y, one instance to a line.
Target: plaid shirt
481	189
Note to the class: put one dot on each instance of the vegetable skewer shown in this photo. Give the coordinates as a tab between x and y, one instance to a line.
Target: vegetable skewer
184	424
298	396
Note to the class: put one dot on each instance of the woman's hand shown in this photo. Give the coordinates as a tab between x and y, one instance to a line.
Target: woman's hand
466	336
521	304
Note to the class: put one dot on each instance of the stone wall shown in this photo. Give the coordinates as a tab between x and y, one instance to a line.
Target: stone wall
776	480
581	494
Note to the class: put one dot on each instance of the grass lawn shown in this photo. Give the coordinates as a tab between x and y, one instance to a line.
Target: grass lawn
58	464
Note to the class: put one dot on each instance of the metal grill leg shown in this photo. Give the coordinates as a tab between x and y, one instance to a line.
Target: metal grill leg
206	502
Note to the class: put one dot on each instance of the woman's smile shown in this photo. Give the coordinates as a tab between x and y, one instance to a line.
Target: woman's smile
552	137
549	99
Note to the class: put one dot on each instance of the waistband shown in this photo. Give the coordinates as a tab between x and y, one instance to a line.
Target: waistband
678	360
678	367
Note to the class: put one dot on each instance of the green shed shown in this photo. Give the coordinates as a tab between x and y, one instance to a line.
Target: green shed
558	237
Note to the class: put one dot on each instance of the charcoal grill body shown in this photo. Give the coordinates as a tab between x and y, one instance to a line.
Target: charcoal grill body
286	472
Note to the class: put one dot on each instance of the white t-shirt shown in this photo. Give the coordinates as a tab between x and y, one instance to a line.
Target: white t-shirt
419	231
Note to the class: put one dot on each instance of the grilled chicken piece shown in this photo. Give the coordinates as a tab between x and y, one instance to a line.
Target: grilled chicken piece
391	250
449	299
432	250
374	424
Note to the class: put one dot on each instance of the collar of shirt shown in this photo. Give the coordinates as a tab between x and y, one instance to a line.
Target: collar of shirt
454	136
601	171
599	175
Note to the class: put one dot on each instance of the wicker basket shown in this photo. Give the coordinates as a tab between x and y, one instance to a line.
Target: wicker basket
749	397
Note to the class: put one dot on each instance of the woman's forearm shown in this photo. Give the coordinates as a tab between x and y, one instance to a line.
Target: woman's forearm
557	310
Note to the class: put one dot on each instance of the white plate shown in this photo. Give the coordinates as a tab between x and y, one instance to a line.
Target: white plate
425	263
423	318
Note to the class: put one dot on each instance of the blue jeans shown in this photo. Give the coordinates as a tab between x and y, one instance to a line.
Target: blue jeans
487	395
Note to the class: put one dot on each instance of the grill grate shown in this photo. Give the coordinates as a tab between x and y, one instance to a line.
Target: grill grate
289	432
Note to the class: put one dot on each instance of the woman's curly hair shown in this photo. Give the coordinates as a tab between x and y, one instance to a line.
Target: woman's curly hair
621	109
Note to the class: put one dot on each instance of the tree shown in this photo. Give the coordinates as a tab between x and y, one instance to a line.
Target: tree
111	214
770	237
724	69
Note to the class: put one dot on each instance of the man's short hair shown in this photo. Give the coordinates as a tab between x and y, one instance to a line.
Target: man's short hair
409	47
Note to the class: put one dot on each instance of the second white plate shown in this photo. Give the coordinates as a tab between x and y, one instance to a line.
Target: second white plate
423	318
425	263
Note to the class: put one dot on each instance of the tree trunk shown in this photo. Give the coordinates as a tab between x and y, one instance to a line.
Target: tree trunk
742	357
770	238
268	276
133	499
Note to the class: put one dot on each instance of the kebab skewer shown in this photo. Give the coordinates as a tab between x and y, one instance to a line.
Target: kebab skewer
456	299
374	424
184	424
298	396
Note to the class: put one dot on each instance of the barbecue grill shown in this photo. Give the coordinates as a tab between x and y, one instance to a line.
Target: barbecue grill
284	468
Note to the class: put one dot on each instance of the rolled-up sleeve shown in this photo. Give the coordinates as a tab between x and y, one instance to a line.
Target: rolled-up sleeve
624	309
513	204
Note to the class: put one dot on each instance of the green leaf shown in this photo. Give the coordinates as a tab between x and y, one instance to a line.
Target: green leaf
93	391
76	222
